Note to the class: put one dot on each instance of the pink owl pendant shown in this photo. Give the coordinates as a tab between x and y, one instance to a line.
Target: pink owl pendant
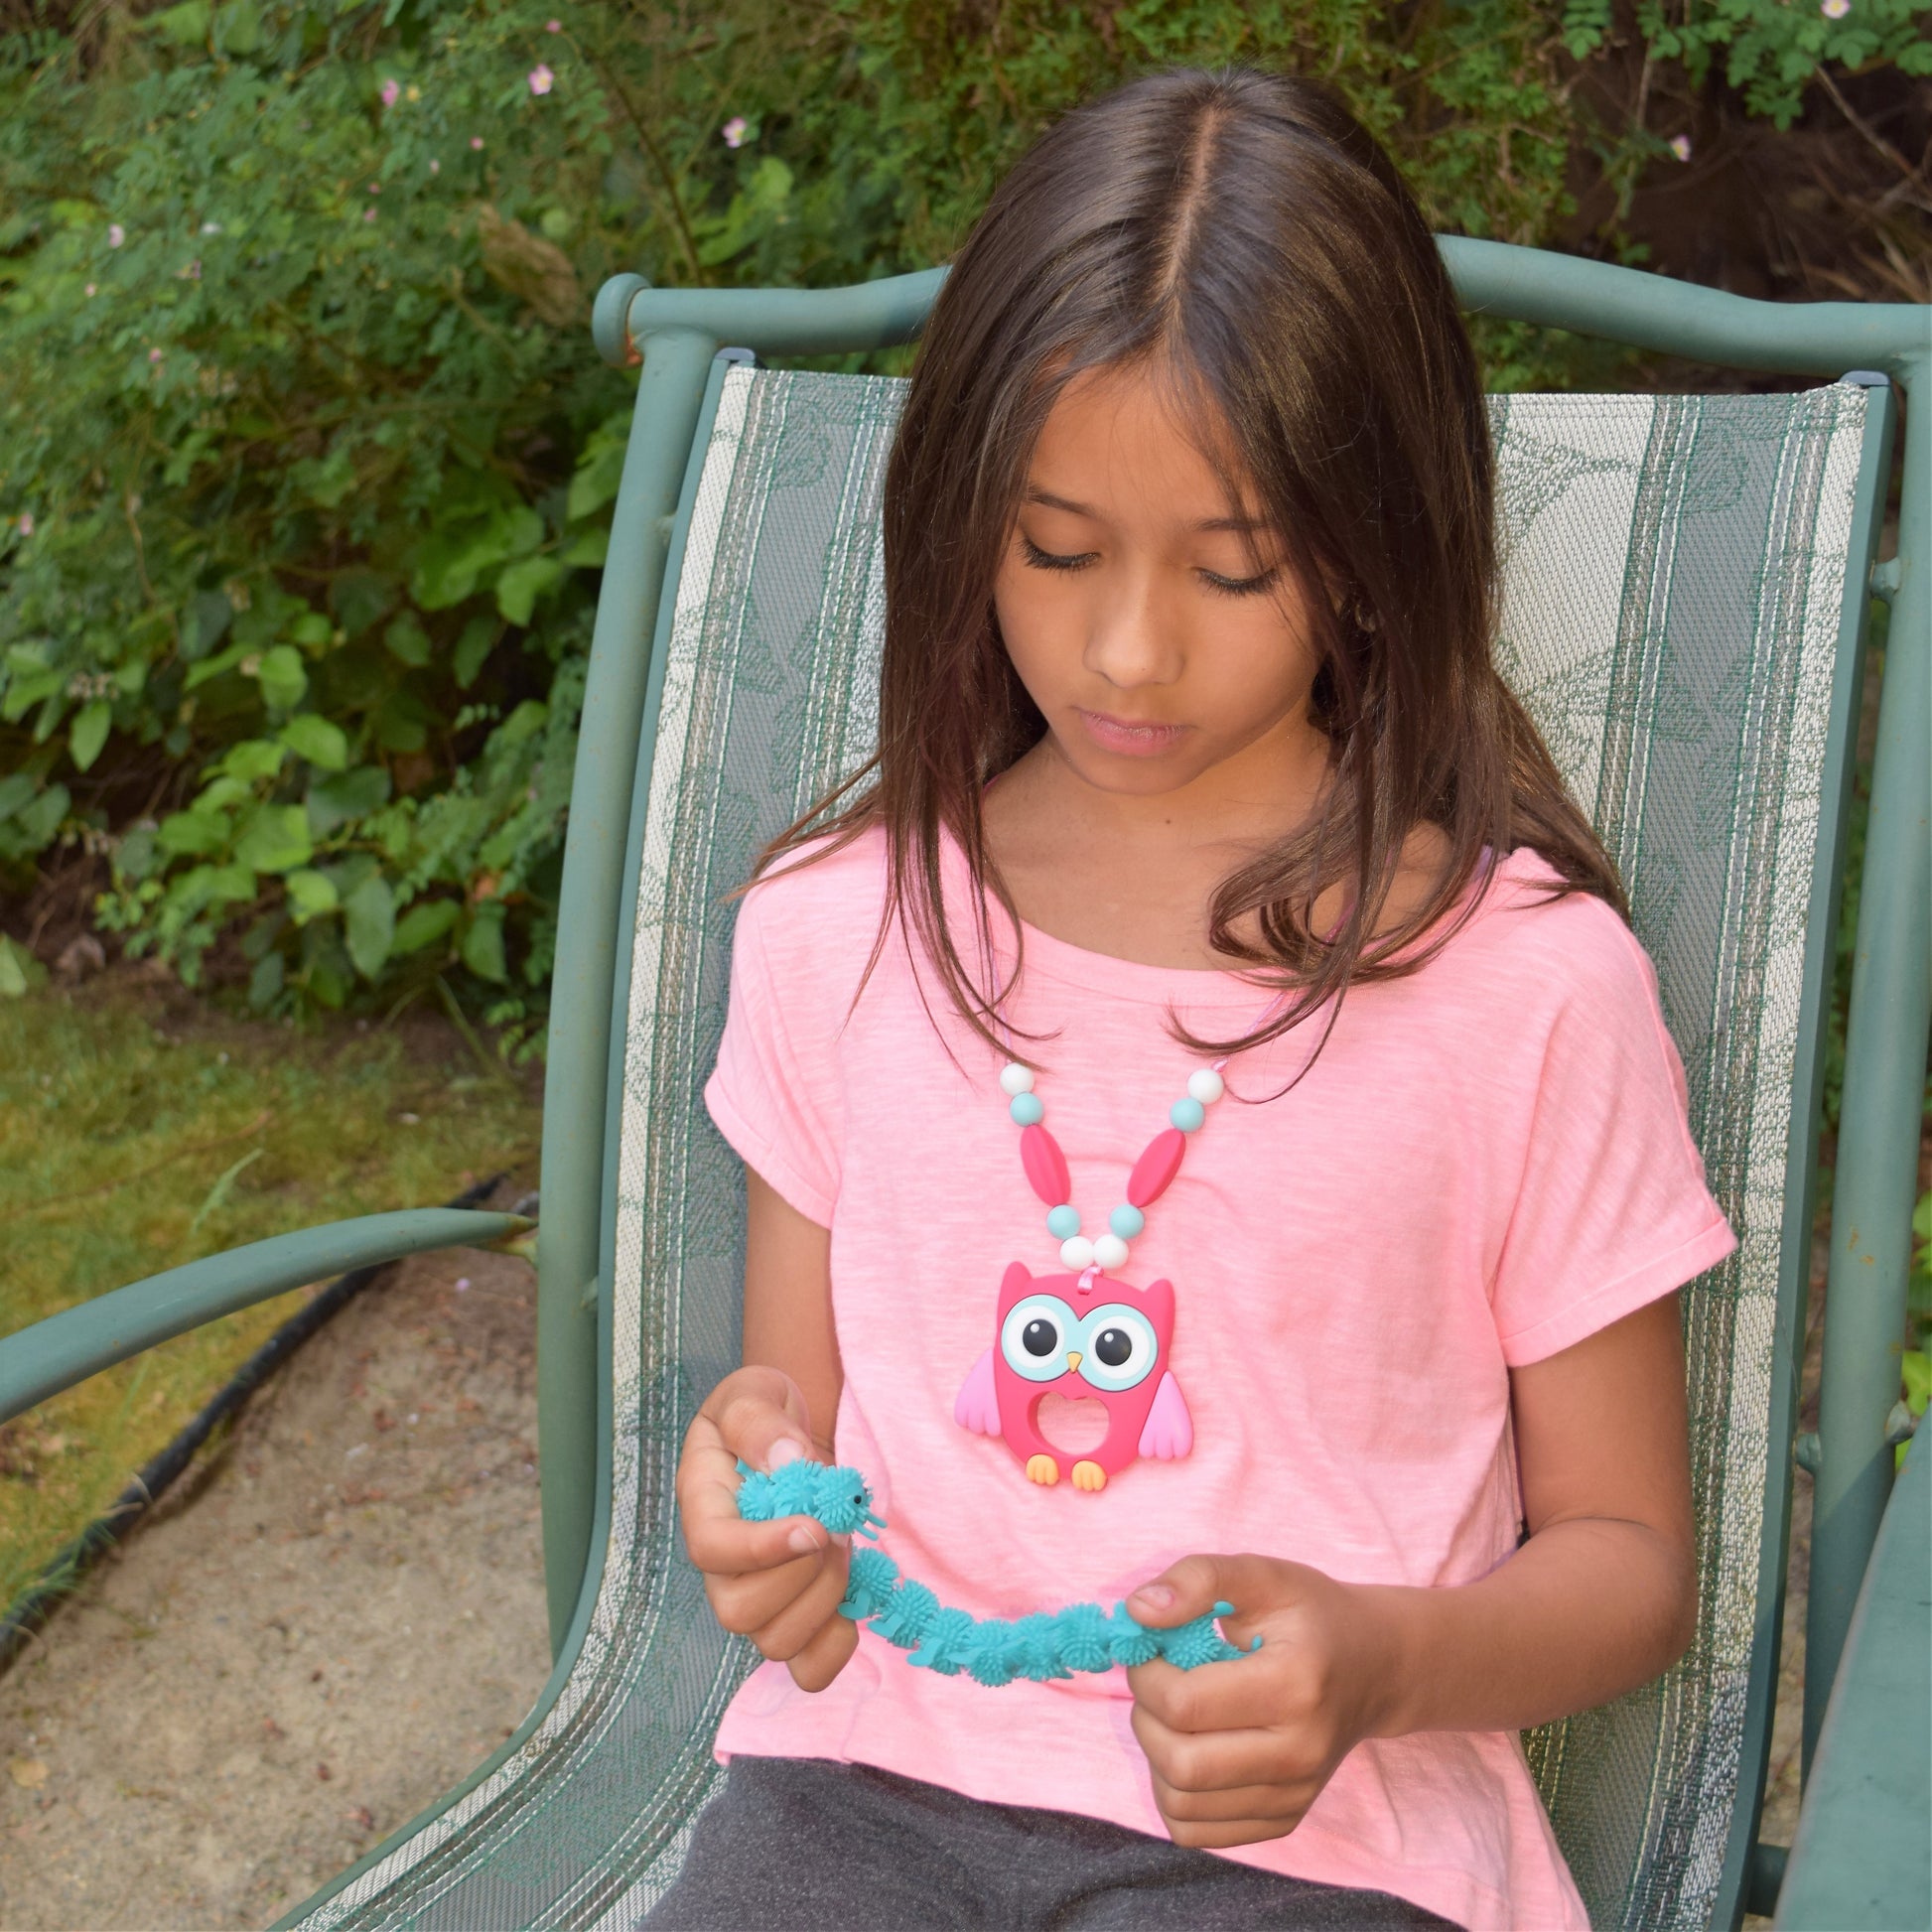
1085	1336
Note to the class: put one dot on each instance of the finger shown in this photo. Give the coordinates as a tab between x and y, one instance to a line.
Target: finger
1220	1837
728	1546
1221	1761
1193	1586
747	1603
1283	1803
762	1416
826	1655
793	1626
1209	1697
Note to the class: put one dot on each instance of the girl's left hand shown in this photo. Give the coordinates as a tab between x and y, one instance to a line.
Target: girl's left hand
1240	1751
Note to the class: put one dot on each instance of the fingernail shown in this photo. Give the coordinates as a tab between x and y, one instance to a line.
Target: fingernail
783	1451
803	1540
1157	1597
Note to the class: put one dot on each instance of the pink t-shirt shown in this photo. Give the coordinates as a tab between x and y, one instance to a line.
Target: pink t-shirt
1488	1162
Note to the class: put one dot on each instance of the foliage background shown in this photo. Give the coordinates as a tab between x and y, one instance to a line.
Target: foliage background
307	464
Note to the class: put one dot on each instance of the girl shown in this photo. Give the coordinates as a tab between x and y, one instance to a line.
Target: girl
1201	827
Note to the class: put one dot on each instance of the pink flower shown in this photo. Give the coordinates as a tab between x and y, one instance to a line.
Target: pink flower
391	93
733	131
154	355
90	288
476	140
375	187
116	234
368	214
541	79
1834	9
553	26
27	523
1681	146
435	167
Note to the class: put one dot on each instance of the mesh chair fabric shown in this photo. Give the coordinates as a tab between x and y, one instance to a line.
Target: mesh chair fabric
1673	575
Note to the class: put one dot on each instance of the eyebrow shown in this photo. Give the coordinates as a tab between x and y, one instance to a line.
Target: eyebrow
1242	525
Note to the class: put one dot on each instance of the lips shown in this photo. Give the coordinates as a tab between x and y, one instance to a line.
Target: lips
1130	737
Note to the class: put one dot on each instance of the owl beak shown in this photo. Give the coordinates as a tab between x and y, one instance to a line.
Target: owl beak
1074	1358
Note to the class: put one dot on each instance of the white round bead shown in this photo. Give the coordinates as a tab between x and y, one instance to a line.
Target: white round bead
1015	1079
1110	1251
1077	1253
1205	1085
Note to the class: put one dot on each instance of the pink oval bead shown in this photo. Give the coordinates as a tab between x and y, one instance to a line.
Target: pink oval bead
1046	1165
1156	1168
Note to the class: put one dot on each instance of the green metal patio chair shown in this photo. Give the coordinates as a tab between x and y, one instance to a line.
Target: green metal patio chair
1687	586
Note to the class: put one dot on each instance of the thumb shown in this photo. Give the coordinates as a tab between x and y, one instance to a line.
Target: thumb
1191	1588
761	1418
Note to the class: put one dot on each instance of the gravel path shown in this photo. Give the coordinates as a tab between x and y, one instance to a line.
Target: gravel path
315	1635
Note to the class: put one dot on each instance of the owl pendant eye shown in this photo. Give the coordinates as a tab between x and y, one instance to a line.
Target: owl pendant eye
1086	1338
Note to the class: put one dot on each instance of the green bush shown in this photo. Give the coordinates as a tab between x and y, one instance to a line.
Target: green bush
307	463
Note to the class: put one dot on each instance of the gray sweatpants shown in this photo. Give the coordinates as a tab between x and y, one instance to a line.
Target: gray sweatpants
796	1844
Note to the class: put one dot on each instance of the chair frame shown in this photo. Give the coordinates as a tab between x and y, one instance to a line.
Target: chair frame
676	335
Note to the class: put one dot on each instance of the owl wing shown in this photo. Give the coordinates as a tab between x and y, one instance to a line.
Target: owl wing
977	1405
1169	1430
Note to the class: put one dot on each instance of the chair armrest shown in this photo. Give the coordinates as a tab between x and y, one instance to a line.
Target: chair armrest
1859	1856
52	1355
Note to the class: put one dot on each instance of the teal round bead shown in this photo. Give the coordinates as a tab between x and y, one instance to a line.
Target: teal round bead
1063	1223
1186	1115
1028	1110
1126	1221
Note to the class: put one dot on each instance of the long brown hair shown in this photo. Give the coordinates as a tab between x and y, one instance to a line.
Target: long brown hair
1243	232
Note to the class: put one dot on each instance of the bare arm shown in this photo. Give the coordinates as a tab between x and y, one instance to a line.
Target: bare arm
1600	1600
789	1303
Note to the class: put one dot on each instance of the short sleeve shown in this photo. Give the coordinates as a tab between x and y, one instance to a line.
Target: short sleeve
771	1091
1611	1211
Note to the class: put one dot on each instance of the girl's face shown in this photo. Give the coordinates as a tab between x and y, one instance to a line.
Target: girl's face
1150	620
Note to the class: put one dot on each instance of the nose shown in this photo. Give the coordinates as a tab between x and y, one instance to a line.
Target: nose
1074	1358
1131	642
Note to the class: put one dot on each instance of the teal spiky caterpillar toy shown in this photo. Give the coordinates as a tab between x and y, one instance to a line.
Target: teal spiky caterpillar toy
990	1650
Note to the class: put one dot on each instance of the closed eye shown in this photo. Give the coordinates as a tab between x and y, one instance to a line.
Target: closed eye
1239	586
1052	560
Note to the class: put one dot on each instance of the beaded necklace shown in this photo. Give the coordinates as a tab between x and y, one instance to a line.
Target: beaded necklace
1086	1334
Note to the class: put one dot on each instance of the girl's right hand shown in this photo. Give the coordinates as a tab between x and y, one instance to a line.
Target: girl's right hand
780	1584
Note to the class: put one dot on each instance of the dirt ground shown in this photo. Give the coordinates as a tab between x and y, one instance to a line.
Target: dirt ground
337	1616
319	1631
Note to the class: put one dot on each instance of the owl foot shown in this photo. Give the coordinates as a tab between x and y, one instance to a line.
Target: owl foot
1089	1476
1042	1468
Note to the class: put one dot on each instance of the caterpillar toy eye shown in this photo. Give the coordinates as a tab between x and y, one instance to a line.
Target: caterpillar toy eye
1035	1335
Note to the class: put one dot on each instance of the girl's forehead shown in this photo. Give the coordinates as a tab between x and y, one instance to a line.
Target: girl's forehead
1141	441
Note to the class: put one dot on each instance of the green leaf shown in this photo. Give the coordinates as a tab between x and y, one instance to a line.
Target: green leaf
424	923
193	834
587	550
276	840
185	24
312	631
88	732
16	789
479	639
211	668
253	759
521	584
19	969
283	678
408	641
1916	1367
482	945
313	738
336	802
311	893
265	982
370	924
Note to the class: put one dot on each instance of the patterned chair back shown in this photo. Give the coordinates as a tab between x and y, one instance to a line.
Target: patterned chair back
1674	578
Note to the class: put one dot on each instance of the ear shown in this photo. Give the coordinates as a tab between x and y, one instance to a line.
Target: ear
1158	1297
1017	1280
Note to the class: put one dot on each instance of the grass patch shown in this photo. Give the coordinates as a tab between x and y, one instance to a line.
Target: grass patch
139	1130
